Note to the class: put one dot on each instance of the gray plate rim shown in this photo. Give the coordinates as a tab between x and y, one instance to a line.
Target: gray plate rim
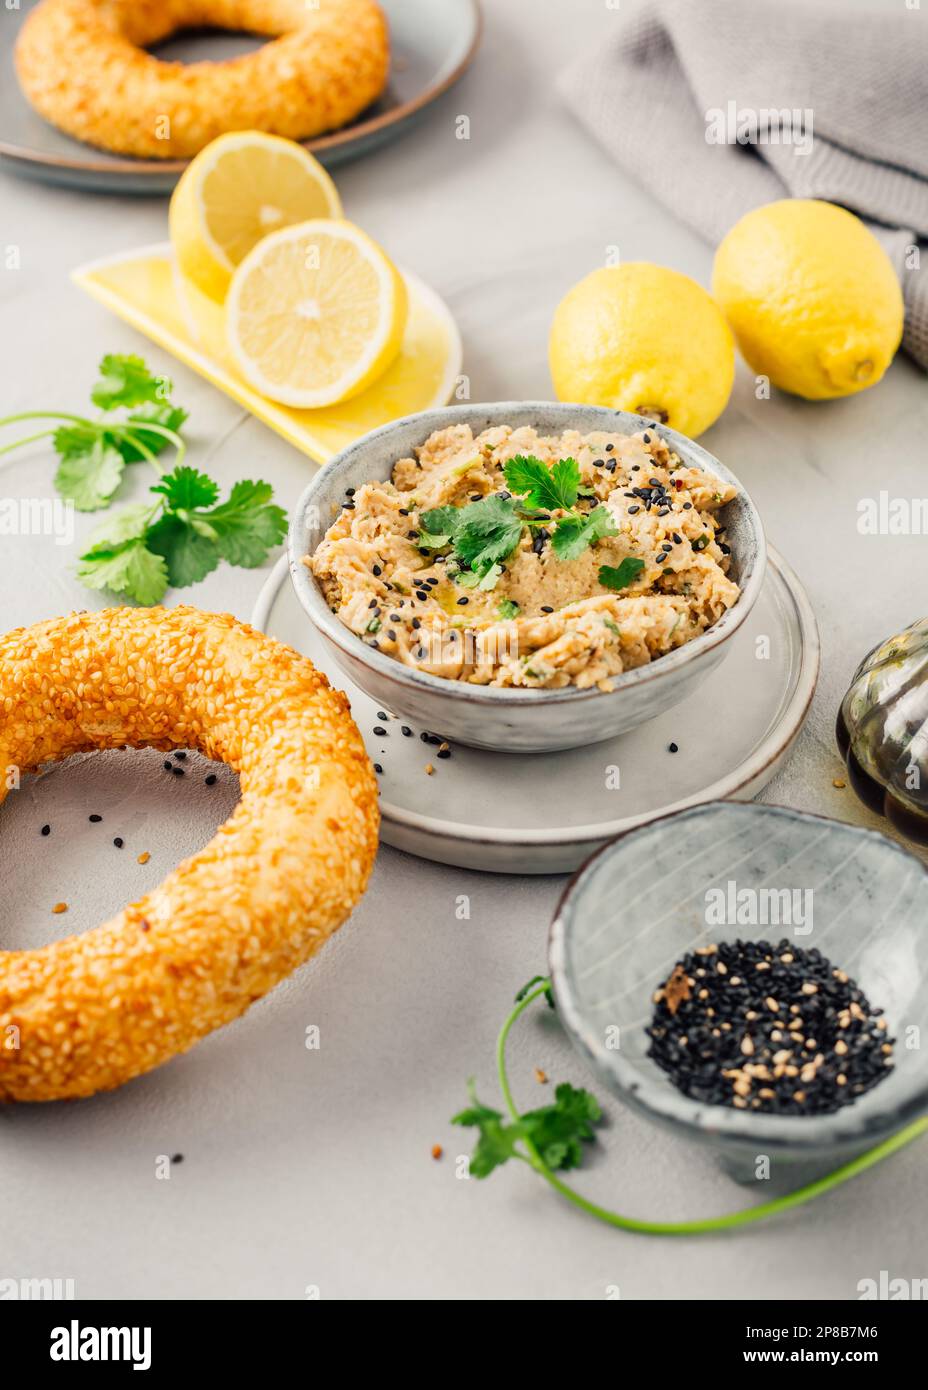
772	748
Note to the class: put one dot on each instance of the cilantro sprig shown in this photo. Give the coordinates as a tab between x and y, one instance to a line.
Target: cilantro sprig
557	1137
181	537
483	534
138	420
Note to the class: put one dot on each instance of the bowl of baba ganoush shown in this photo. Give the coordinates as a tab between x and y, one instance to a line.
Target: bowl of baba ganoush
526	576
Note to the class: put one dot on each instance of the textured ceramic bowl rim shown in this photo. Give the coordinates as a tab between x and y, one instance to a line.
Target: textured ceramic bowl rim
325	485
660	1099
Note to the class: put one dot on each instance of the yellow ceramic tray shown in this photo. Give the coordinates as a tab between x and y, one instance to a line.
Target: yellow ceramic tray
144	288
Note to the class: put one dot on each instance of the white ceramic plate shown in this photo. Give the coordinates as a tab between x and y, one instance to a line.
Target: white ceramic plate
544	813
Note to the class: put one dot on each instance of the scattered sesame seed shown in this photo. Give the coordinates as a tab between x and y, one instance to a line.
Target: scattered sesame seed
437	1151
119	842
46	830
95	820
59	908
211	780
429	769
144	857
673	748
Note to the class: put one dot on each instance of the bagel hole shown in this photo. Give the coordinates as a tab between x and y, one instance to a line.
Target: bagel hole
205	45
152	811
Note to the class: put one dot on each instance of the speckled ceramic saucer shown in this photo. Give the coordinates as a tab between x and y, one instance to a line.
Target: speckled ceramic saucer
546	812
643	903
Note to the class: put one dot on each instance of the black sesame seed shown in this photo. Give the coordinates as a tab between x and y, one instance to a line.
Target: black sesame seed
677	538
635	508
611	466
646	438
119	842
181	757
178	772
636	467
422	595
673	748
609	448
377	767
95	820
373	603
350	491
424	736
546	608
382	714
687	506
380	731
211	780
405	731
412	535
655	482
417	623
443	753
391	635
376	571
462	601
404	511
168	766
46	830
663	511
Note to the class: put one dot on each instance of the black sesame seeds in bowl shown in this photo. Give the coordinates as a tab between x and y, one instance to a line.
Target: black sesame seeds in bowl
796	1040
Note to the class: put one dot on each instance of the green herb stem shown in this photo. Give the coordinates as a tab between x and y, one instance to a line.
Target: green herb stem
748	1216
29	439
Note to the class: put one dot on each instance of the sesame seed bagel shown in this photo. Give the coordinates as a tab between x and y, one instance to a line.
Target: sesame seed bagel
82	65
87	1013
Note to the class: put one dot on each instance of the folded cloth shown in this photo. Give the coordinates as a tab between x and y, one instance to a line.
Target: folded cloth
721	105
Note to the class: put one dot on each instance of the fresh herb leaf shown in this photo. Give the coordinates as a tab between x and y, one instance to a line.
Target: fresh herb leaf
125	525
163	413
247	526
90	470
126	380
574	534
616	578
496	1142
438	526
541	486
508	609
128	568
192	541
188	555
558	1131
186	489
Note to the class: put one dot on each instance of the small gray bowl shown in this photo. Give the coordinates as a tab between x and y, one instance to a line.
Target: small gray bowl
639	905
505	719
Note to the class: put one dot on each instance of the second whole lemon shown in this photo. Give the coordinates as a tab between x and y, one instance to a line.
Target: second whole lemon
812	297
647	339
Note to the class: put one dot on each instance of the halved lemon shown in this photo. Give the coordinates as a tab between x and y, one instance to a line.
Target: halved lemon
238	189
315	313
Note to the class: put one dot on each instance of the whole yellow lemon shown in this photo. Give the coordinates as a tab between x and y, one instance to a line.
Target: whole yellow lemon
643	338
812	297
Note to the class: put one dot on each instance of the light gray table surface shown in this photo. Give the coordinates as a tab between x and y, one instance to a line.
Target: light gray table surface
311	1169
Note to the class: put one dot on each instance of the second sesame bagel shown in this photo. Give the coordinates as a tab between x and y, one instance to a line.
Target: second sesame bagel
82	64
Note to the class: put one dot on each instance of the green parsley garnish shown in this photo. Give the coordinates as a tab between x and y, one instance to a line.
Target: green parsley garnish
508	609
557	1137
619	577
483	534
573	534
554	488
181	537
93	453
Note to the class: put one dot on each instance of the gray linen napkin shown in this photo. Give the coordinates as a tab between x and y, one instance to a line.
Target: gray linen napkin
676	78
